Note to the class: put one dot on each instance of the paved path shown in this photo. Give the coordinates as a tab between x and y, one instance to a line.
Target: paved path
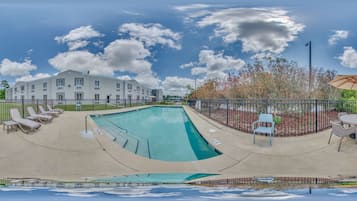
57	151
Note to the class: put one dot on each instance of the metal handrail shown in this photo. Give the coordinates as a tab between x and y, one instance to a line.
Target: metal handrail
138	139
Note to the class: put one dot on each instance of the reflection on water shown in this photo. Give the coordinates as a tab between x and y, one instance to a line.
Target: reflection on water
173	192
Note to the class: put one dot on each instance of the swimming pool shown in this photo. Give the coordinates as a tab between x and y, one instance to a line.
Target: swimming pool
162	133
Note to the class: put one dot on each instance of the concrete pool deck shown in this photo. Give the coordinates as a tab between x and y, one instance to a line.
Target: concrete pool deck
58	151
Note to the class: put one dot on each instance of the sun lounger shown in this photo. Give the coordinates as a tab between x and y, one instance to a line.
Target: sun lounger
39	117
50	109
16	117
43	111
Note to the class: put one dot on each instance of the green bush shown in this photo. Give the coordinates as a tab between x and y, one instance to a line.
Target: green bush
277	119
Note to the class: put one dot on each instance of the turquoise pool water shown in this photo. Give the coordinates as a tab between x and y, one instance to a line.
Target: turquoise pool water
162	133
167	178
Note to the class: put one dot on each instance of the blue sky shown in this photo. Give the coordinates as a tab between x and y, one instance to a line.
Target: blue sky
168	44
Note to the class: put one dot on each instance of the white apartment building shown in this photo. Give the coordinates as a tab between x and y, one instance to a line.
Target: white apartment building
78	86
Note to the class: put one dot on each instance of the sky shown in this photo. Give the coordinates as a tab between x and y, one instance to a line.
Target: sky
169	44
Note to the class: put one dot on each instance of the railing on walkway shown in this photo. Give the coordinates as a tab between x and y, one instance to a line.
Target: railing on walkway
67	105
292	117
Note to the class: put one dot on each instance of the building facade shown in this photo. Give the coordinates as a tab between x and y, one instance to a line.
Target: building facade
78	86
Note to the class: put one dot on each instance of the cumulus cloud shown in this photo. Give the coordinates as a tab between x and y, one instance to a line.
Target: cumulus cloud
29	77
124	77
81	61
13	68
349	57
191	7
78	38
173	85
259	29
123	55
214	65
151	34
337	35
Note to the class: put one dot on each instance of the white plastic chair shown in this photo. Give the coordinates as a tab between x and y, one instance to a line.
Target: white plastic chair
340	131
262	126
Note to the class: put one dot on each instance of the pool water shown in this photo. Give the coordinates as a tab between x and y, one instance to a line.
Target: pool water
172	192
172	178
162	133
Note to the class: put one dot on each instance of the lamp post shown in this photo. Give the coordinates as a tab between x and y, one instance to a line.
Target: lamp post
310	67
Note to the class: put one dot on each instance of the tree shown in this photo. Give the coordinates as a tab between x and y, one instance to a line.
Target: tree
4	86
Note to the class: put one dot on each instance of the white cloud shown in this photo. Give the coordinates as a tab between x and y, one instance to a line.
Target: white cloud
337	35
37	76
13	68
349	57
81	61
78	38
124	77
173	85
191	7
120	55
188	65
259	29
152	34
214	65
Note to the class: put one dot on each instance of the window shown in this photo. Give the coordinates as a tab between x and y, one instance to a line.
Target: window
130	86
33	88
78	96
60	97
138	98
142	91
117	98
96	97
78	81
15	89
138	89
60	82
44	85
96	84
44	98
22	89
118	86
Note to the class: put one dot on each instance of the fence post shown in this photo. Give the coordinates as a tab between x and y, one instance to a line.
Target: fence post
37	105
316	116
227	112
209	108
23	107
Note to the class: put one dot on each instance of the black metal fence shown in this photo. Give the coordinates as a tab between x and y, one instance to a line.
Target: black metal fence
291	117
67	105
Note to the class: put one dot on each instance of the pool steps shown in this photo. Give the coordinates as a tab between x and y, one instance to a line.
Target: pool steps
120	135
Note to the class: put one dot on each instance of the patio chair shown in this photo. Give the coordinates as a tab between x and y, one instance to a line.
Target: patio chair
50	109
340	131
339	115
40	117
264	125
43	111
16	117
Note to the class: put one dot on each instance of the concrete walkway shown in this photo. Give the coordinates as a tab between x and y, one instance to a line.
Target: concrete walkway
58	151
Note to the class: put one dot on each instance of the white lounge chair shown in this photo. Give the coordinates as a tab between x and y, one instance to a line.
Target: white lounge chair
16	117
54	110
39	117
50	109
43	111
340	131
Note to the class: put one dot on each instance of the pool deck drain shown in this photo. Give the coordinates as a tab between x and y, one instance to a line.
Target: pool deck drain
58	151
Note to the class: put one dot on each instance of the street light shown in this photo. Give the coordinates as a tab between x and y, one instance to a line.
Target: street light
310	67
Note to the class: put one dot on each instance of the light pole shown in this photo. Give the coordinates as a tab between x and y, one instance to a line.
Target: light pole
310	67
